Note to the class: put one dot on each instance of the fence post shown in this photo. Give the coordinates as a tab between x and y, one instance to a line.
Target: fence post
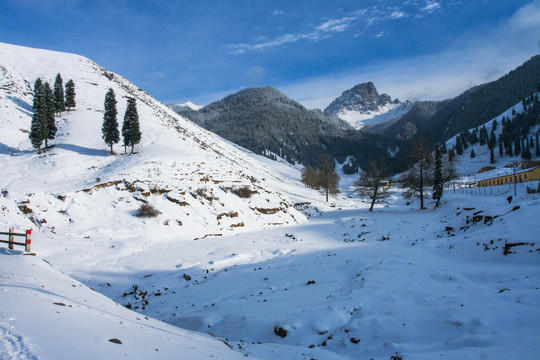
10	241
28	239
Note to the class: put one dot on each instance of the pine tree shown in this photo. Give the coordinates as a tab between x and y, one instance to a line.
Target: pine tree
526	153
38	127
109	129
70	94
37	130
38	84
491	156
473	154
58	95
459	146
437	176
537	146
130	128
48	112
492	140
501	149
451	155
517	147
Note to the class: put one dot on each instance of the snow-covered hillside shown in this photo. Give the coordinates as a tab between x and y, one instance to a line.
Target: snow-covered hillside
388	113
220	276
186	105
188	174
469	167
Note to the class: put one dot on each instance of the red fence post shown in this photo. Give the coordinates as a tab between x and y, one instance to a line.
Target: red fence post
28	239
10	241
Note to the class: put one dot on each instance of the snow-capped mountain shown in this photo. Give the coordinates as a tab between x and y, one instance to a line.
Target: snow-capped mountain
187	105
362	105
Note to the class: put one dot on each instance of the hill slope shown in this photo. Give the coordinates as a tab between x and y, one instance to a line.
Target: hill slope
470	109
267	122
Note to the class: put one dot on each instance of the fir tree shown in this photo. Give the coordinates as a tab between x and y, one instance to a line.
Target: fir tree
109	129
38	84
517	147
70	94
492	140
459	146
37	130
473	154
491	156
130	128
483	135
58	95
48	112
537	146
437	176
451	155
501	149
526	153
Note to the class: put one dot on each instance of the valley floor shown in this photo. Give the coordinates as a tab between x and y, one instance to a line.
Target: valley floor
348	284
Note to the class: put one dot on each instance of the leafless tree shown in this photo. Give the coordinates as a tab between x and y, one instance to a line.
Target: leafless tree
416	177
328	177
371	183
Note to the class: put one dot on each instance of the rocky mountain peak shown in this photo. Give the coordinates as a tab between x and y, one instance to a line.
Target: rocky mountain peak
362	98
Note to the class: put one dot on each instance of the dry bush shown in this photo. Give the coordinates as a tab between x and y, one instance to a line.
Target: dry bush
147	210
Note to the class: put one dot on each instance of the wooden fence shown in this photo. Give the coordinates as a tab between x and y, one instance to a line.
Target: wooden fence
11	239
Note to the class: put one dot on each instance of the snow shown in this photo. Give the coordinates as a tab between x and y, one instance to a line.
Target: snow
186	105
388	113
344	283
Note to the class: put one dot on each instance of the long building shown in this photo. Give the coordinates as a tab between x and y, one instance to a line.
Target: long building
531	174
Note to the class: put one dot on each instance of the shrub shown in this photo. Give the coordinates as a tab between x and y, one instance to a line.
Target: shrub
243	192
280	331
147	210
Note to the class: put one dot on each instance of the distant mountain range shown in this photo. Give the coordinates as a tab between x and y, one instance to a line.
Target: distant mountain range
267	122
361	122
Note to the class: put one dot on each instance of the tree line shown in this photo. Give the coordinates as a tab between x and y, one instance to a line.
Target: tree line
430	169
49	103
513	140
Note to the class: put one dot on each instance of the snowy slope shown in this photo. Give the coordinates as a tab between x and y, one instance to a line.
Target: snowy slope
179	168
186	105
47	315
345	284
388	113
468	167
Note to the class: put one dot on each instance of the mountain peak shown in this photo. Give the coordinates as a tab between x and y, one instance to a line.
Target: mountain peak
362	98
363	105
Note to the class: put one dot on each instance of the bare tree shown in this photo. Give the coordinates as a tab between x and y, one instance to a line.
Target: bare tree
310	177
415	178
328	177
371	184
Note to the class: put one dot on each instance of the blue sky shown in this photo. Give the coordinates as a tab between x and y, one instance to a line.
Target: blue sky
311	50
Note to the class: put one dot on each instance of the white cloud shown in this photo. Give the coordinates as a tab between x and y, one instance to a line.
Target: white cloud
368	17
470	61
397	14
278	12
431	5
